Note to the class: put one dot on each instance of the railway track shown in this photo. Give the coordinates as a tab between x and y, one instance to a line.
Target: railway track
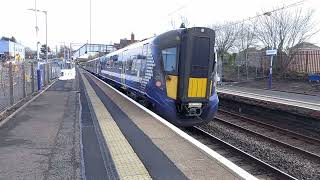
300	143
253	165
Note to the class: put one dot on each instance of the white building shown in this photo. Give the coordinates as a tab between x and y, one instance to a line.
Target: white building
12	50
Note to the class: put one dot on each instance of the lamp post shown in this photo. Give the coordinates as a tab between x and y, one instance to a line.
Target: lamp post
46	13
272	52
90	21
37	29
64	53
39	77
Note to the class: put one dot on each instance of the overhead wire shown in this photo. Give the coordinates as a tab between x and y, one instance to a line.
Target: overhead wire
180	8
268	13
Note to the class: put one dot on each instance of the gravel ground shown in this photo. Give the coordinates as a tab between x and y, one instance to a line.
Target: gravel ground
306	127
293	163
301	125
272	133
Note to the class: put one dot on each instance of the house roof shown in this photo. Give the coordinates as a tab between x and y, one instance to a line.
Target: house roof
306	45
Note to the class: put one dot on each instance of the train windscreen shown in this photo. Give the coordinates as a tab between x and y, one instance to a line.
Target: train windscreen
200	57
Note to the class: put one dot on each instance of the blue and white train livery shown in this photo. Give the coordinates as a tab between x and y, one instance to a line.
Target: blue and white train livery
173	72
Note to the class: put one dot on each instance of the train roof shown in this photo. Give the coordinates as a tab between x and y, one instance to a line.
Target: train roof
148	40
131	46
164	37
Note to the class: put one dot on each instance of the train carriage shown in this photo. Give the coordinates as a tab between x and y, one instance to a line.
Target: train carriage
173	72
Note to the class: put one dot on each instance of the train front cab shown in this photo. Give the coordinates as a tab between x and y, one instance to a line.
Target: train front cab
189	77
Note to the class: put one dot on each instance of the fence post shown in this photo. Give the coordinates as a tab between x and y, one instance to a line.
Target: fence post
44	75
48	73
32	77
23	81
307	61
11	84
247	72
238	73
39	79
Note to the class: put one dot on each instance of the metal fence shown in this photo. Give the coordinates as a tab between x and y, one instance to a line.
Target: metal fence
241	67
306	62
18	80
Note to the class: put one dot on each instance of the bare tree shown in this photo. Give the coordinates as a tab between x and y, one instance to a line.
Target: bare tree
173	24
285	29
245	40
185	21
246	37
226	36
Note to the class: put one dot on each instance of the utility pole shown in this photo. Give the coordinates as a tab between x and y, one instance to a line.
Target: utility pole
64	52
247	48
14	50
46	13
90	23
37	28
70	51
56	51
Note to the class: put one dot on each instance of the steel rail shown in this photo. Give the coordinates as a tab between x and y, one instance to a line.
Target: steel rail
277	172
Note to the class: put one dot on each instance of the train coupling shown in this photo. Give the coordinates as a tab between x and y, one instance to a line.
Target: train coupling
194	109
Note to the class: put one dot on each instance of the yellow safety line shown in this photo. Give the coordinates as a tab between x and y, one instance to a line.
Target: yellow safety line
126	161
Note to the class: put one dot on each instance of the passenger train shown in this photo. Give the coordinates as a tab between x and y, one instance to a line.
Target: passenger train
173	72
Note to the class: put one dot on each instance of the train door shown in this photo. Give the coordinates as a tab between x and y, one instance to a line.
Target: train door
122	70
123	61
99	65
198	57
170	56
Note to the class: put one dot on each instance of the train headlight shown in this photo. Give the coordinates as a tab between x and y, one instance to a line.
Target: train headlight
158	83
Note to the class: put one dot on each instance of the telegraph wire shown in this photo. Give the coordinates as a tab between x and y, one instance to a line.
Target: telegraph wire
268	13
180	8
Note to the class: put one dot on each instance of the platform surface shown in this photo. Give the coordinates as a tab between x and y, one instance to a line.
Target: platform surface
299	100
164	154
42	140
84	129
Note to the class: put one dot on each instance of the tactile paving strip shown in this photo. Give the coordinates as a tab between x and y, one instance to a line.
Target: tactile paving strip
127	163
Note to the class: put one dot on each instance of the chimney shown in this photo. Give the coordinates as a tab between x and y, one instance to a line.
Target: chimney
132	38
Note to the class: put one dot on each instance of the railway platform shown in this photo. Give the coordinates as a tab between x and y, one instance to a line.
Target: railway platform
157	150
83	128
41	140
305	105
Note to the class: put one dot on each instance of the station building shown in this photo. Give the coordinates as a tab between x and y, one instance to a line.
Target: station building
12	50
125	42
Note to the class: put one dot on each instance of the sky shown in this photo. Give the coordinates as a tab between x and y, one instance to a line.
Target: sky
68	20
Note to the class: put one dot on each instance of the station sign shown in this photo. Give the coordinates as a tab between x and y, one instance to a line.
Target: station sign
271	52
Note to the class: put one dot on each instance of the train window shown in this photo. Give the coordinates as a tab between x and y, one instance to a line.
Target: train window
114	57
169	57
200	56
145	49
